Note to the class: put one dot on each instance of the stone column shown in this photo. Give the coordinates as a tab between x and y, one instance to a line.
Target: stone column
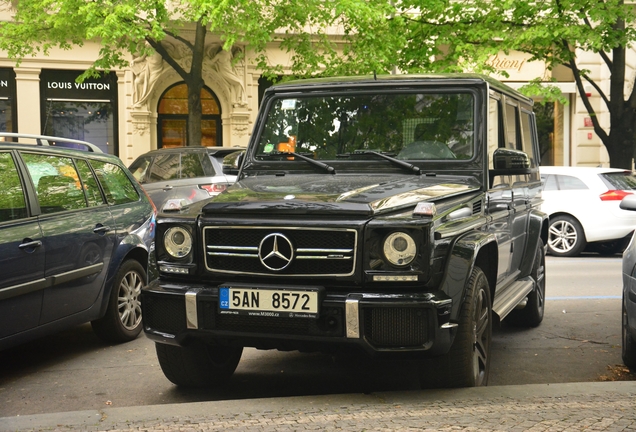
27	82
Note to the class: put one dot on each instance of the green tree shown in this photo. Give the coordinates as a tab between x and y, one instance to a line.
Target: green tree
460	35
138	27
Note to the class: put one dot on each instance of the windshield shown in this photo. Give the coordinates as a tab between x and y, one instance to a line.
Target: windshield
408	126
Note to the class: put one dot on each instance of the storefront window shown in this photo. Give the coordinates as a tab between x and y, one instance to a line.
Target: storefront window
86	121
7	101
173	118
85	111
6	115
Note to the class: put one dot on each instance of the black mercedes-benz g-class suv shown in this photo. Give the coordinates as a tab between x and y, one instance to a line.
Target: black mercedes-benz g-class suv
395	214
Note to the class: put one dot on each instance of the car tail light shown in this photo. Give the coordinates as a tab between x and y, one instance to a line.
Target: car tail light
213	188
614	195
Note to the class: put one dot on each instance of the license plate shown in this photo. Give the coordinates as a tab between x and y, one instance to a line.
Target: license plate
269	302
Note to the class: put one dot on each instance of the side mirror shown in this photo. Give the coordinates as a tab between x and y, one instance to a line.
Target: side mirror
232	162
628	203
510	160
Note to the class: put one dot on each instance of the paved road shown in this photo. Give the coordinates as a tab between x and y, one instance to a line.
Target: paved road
579	341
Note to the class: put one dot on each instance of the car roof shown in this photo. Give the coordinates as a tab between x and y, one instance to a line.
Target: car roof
71	152
188	149
578	170
399	79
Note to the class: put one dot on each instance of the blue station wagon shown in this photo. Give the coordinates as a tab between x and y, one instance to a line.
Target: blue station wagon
76	230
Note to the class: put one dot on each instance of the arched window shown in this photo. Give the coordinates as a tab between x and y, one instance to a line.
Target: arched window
173	118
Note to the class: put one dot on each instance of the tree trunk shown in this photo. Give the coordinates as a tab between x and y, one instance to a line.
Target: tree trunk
620	143
195	85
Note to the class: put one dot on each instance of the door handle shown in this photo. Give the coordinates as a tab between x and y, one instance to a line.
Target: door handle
30	244
101	229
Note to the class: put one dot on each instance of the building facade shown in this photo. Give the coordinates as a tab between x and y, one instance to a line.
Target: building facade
130	111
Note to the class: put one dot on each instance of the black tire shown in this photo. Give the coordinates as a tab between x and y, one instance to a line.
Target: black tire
467	364
628	346
566	237
532	314
199	364
122	321
610	248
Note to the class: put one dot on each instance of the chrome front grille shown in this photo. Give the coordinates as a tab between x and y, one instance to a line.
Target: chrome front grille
284	251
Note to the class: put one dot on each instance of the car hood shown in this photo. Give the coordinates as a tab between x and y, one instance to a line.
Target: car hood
361	194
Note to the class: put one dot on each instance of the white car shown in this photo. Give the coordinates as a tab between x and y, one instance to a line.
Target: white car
583	206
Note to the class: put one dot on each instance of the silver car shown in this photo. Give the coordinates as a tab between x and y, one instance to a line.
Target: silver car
174	177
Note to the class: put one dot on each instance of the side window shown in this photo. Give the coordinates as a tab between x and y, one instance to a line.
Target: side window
91	188
12	202
512	128
165	167
493	129
191	165
56	182
139	168
570	183
527	126
116	184
550	183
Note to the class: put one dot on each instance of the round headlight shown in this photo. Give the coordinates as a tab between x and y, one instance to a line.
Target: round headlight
399	248
177	241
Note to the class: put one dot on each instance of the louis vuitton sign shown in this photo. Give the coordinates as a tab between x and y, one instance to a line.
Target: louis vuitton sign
7	82
62	84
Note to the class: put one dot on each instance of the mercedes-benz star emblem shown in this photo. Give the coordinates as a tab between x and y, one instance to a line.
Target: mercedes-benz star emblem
275	251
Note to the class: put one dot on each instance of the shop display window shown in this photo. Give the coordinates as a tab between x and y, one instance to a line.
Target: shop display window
6	115
90	121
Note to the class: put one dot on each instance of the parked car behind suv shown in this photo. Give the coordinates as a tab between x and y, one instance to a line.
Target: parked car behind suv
583	206
183	175
394	215
76	230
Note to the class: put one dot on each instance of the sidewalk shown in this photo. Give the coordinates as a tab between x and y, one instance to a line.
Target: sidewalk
597	406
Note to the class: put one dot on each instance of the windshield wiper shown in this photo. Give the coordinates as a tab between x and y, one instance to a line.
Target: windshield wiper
407	166
328	168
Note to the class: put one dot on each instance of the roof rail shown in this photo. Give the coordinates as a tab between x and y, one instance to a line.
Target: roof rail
44	140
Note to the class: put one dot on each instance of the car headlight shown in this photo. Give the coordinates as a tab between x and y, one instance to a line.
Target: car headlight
177	242
399	248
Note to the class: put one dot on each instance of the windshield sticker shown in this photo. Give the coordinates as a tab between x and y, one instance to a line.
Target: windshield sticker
288	104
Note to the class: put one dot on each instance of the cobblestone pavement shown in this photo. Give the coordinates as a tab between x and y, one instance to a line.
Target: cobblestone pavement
601	406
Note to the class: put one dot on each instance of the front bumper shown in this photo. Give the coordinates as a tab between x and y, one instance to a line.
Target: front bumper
375	322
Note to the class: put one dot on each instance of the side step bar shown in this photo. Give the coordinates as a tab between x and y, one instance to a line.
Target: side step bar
514	294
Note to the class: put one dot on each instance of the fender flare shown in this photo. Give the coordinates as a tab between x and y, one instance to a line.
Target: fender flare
460	263
131	245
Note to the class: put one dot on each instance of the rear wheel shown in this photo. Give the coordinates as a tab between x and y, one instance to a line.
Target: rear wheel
532	314
467	364
198	364
122	321
565	236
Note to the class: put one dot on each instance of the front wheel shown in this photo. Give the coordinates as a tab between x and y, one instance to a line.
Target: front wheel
198	364
565	236
467	364
122	321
